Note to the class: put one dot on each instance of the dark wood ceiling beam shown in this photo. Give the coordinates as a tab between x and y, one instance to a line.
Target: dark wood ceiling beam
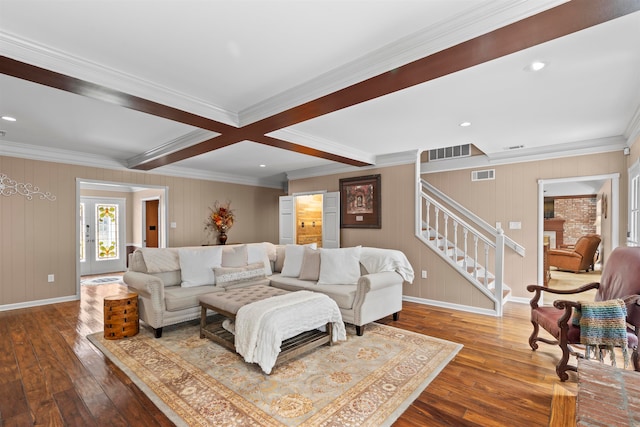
285	145
220	141
21	70
238	135
560	21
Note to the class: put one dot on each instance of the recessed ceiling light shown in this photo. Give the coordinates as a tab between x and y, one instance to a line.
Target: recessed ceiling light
263	166
535	66
465	124
8	118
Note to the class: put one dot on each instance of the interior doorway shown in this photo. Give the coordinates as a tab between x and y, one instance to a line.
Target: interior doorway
607	191
151	224
102	230
132	221
310	218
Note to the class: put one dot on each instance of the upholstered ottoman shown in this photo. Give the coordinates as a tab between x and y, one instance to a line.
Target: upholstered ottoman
277	313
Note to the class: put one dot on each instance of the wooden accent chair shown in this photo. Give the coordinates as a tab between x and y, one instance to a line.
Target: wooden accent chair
620	280
576	259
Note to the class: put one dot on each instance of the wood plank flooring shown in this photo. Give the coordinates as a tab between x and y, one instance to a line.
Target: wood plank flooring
50	374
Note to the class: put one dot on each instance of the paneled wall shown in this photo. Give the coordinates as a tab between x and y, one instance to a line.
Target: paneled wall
512	196
38	237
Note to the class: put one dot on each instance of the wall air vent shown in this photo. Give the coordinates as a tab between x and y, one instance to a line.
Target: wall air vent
484	175
450	152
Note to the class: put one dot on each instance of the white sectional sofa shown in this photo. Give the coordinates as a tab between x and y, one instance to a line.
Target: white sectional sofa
366	283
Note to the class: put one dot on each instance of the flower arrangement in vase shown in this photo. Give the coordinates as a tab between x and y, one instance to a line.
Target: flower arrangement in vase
220	219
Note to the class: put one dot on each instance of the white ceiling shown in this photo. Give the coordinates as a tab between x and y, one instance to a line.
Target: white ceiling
240	61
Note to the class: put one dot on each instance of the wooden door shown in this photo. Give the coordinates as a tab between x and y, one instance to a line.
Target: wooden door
151	223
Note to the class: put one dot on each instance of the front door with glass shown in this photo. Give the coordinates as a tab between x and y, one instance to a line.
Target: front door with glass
102	237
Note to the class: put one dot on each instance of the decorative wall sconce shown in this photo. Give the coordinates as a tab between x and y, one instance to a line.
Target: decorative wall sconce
9	187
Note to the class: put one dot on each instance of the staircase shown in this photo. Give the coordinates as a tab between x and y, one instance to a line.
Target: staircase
468	243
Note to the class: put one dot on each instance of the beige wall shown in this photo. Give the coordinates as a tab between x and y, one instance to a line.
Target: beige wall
397	232
38	237
513	196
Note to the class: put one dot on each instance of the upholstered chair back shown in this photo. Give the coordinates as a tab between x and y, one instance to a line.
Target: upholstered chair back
621	278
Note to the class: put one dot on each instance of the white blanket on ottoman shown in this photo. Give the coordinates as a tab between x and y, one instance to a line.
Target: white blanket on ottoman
260	327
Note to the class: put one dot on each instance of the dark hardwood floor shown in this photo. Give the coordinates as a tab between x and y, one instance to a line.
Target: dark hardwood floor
50	374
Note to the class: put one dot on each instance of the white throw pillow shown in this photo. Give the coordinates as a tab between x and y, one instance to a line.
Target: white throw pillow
197	264
339	266
293	259
257	252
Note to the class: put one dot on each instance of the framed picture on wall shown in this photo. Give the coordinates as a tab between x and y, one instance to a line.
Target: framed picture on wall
360	202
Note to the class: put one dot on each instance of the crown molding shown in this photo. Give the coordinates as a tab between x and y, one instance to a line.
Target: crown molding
184	141
633	129
329	146
182	172
571	149
382	161
62	62
479	20
47	154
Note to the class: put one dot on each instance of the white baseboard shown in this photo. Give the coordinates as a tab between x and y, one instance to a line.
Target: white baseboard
37	303
450	305
519	300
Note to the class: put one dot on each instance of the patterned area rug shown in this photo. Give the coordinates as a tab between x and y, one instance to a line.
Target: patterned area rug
364	381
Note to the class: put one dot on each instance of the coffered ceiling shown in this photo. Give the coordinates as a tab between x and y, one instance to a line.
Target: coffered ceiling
215	89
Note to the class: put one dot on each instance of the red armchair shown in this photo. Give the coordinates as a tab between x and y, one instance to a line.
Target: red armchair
620	280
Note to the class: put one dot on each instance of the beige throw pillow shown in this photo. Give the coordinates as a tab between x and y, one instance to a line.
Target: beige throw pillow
235	256
227	276
293	259
310	269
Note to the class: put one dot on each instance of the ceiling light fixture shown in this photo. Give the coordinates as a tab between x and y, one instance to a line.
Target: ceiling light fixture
465	124
9	118
535	66
263	166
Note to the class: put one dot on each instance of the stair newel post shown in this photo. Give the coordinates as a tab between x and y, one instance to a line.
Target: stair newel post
499	270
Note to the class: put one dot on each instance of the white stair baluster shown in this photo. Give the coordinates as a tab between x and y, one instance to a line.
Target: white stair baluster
475	256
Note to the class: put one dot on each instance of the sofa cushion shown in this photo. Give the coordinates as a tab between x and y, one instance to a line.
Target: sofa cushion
227	276
310	269
178	298
293	259
235	256
170	278
343	295
259	252
196	265
279	262
339	266
156	260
